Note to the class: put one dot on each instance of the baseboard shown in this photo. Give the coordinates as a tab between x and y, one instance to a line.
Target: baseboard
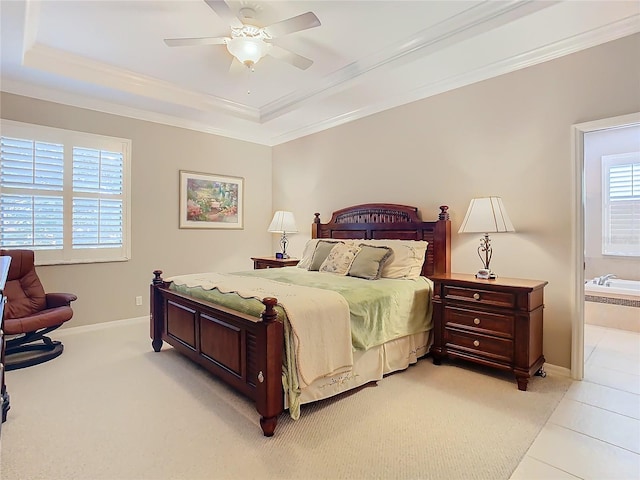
549	367
99	326
557	370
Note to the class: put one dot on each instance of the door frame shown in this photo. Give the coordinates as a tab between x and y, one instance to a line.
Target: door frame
578	203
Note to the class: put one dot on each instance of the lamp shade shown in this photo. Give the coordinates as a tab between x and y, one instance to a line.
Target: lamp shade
486	215
283	222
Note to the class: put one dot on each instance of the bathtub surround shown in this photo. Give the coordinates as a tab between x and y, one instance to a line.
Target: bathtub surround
614	304
612	301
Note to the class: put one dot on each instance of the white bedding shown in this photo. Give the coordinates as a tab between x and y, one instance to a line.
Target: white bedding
370	366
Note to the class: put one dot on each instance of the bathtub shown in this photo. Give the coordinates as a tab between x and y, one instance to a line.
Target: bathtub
616	304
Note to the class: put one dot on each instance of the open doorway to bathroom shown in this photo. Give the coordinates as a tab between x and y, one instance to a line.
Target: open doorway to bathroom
609	193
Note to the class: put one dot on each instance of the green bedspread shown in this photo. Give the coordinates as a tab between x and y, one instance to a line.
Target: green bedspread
381	310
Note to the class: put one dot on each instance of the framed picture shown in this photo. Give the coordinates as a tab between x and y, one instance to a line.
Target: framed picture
211	201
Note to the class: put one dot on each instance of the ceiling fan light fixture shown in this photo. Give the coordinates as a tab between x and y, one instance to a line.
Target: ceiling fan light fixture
247	50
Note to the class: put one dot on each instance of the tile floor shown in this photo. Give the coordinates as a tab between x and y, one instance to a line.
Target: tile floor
594	433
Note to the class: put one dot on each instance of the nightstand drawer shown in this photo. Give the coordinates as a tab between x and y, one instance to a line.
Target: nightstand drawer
482	322
480	296
499	349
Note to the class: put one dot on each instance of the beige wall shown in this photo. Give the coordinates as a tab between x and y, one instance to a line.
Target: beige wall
107	291
508	136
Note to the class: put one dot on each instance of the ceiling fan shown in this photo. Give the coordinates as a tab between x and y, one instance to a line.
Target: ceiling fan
249	43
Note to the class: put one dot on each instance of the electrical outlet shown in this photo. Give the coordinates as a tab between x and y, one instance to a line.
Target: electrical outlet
138	301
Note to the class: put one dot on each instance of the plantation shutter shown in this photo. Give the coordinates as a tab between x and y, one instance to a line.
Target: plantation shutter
97	198
64	194
622	208
31	212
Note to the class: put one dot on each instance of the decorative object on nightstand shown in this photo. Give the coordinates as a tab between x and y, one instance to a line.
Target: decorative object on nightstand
486	215
283	222
496	323
272	262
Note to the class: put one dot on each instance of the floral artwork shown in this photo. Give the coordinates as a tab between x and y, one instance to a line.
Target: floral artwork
210	201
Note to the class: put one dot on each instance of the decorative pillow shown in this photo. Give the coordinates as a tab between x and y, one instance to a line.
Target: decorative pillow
320	254
405	261
369	262
340	259
307	254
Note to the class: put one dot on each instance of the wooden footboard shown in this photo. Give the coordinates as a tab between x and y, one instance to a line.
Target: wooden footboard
243	351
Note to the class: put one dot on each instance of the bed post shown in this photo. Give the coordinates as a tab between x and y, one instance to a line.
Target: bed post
442	237
315	225
269	394
157	311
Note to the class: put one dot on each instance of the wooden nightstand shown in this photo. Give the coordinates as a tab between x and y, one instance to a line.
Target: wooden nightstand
272	262
497	323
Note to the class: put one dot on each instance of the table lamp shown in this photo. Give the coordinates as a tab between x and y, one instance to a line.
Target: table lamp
486	215
283	222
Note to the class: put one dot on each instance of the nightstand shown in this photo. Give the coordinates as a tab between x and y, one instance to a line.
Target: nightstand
497	323
272	262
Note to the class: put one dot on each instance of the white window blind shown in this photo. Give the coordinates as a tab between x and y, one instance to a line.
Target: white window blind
621	204
64	194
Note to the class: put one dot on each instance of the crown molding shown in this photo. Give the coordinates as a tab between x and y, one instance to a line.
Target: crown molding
595	37
473	21
477	19
62	63
254	132
48	94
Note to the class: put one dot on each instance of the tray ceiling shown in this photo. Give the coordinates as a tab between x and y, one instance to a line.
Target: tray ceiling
368	56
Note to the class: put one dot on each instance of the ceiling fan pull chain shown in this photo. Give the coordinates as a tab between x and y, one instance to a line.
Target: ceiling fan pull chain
250	74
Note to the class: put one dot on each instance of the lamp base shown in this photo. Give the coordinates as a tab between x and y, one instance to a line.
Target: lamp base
486	274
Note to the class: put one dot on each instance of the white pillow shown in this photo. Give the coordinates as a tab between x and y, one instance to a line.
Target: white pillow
406	260
307	253
340	259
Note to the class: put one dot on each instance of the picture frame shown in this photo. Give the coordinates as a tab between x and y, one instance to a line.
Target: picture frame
211	201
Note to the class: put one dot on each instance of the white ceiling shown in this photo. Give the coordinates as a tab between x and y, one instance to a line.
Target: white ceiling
369	55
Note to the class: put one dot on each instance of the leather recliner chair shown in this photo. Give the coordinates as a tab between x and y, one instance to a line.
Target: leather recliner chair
30	314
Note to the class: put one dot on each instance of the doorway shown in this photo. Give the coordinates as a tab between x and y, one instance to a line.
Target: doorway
580	133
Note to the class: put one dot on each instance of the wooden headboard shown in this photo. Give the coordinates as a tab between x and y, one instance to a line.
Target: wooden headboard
389	221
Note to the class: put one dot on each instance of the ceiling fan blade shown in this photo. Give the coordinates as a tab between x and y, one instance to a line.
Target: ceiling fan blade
293	24
293	58
188	42
223	10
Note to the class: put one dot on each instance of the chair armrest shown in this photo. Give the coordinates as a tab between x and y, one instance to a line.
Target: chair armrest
59	299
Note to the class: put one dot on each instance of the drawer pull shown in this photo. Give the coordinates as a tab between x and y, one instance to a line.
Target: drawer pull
476	321
476	296
476	343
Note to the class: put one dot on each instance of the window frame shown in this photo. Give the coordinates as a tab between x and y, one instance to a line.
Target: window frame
71	139
609	249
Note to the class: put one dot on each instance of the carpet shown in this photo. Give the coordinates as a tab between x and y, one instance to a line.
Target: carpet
111	408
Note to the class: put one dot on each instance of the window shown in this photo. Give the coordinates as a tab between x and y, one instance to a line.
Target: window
621	204
64	194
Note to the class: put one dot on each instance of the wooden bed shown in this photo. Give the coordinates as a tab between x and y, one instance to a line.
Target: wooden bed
247	354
